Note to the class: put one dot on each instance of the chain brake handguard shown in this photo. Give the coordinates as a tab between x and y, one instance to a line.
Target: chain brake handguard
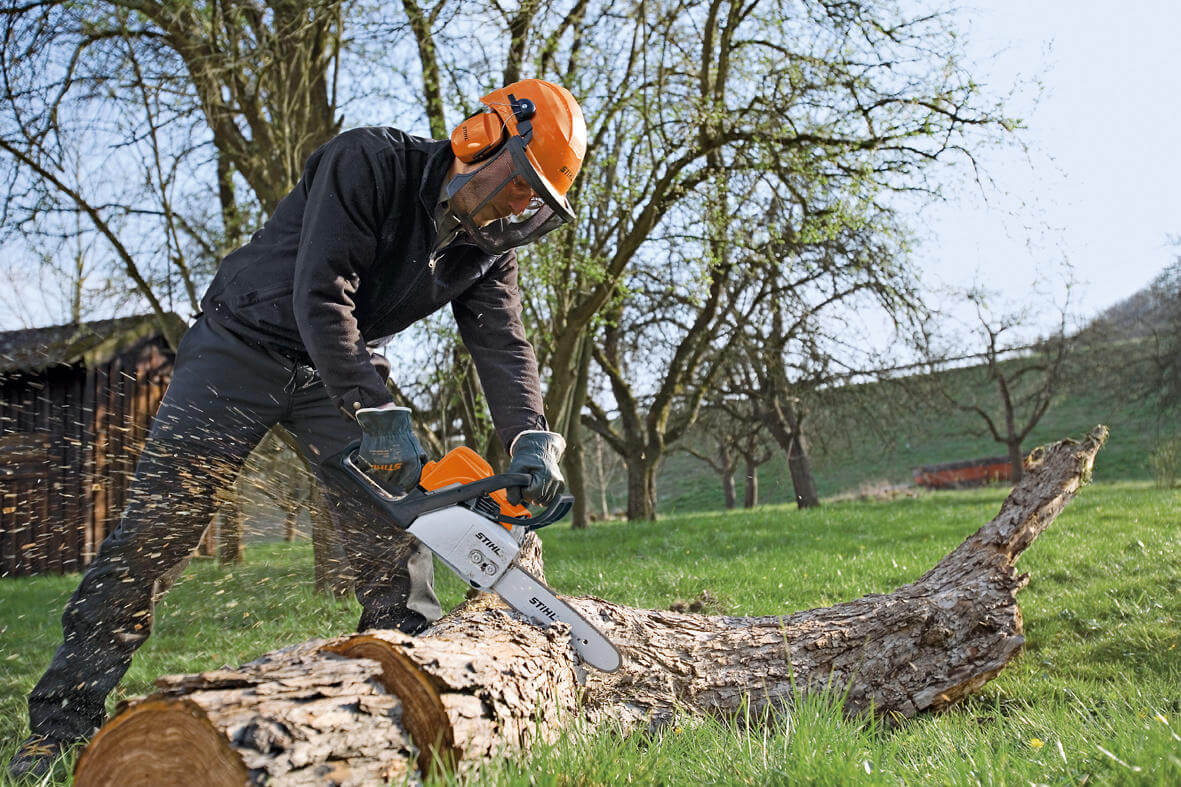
409	507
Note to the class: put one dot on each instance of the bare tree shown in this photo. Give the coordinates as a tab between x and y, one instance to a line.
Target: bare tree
161	89
604	471
863	144
722	436
755	453
1016	381
815	277
684	330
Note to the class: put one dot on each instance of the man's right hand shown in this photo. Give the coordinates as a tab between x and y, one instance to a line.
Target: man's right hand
390	447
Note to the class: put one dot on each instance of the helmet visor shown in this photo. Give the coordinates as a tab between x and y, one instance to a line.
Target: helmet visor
506	203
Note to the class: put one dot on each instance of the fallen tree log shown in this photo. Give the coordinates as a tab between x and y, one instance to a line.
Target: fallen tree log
381	705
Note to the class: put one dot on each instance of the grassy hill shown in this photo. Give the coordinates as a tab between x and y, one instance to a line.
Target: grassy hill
855	443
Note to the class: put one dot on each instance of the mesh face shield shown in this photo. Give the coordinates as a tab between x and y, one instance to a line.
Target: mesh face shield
506	203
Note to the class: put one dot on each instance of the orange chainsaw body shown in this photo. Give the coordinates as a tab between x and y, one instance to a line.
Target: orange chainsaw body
462	465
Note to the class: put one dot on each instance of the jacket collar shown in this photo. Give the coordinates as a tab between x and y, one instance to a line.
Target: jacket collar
439	159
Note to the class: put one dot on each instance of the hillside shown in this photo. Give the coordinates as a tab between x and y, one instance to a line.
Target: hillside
853	446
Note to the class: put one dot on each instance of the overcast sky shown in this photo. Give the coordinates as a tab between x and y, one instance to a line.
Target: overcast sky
1098	85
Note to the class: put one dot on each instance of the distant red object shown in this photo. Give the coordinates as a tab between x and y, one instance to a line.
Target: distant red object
970	472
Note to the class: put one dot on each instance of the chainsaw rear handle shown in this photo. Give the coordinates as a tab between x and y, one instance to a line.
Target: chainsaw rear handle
553	513
404	510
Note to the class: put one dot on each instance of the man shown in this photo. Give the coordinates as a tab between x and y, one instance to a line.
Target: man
382	229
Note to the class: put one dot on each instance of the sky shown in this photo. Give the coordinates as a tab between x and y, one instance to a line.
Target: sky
1098	192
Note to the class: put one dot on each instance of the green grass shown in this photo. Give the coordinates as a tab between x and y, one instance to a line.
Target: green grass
1095	697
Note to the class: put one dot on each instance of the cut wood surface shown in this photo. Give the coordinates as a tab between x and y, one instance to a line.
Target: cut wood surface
382	706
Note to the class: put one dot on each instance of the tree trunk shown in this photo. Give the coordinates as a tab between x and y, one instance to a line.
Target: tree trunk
752	486
1016	461
641	487
601	470
728	488
800	467
575	461
208	544
333	572
289	520
495	453
231	550
481	683
576	482
231	217
785	425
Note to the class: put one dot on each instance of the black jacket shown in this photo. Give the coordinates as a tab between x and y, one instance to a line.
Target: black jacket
344	263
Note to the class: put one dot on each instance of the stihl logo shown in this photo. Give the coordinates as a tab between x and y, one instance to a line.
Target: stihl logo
483	539
541	607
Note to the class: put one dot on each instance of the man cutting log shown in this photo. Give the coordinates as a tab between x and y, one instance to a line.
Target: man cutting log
383	229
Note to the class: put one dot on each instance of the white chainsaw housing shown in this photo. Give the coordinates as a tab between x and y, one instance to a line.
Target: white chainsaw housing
473	546
483	553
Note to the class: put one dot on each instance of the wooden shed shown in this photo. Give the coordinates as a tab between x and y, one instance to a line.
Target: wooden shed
76	402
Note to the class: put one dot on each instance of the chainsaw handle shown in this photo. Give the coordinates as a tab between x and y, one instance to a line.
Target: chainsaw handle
404	510
556	510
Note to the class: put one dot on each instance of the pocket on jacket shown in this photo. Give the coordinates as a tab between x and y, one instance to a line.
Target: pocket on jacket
269	308
254	297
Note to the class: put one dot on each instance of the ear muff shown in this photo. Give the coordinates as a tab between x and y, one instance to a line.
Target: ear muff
478	137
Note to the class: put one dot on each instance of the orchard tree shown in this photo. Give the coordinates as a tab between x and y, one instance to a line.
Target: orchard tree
825	124
1016	380
132	122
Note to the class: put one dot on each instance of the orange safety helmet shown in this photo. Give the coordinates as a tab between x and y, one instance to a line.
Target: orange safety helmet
531	145
559	129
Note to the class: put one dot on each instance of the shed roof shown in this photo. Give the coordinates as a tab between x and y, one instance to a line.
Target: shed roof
89	343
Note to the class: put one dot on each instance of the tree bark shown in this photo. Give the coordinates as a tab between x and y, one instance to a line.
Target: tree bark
333	573
1016	461
576	481
641	487
231	550
800	467
481	683
784	423
575	461
728	488
751	498
289	520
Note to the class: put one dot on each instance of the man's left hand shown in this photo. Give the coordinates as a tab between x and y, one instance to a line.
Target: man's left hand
537	453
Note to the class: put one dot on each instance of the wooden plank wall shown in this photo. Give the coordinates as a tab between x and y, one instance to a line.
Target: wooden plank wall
69	440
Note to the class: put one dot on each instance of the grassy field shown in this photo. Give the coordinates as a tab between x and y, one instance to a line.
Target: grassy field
1094	698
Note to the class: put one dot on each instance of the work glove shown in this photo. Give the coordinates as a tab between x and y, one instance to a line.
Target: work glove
537	453
390	447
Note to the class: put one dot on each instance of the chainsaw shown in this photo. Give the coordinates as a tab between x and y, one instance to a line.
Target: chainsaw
460	510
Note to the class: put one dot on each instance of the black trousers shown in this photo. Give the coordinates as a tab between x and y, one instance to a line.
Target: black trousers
224	396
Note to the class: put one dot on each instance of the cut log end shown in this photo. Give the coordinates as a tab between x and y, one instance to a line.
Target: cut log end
423	714
297	716
162	742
